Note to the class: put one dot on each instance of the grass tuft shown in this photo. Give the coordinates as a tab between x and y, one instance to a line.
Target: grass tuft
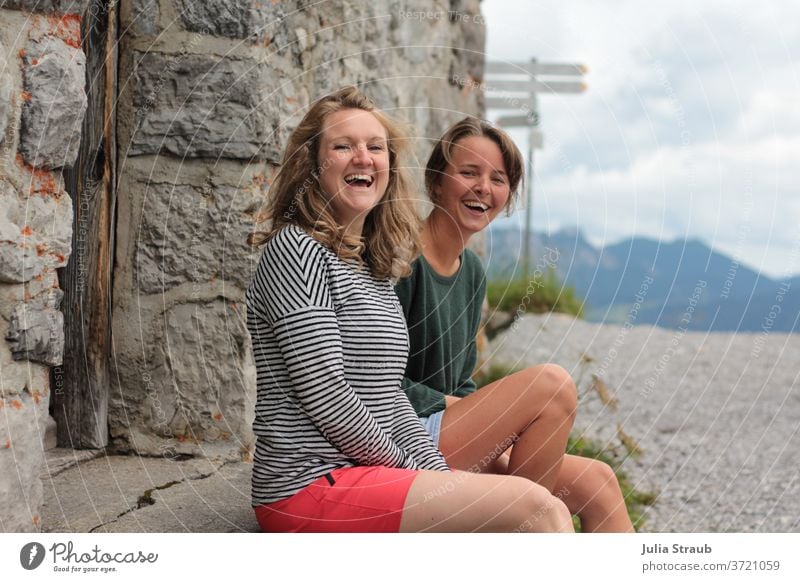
542	293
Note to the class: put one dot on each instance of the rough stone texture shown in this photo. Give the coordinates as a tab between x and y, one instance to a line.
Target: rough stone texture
211	90
230	18
54	102
21	453
136	494
217	503
37	335
47	6
192	234
35	231
58	460
41	109
192	383
471	58
182	352
203	106
38	294
140	17
188	226
410	64
6	108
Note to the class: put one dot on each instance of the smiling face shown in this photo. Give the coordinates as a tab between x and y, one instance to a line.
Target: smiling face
354	165
474	188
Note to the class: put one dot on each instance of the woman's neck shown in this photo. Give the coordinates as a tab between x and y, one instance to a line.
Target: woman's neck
442	244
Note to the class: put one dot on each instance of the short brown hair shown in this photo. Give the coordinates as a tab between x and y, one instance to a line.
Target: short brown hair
390	237
442	154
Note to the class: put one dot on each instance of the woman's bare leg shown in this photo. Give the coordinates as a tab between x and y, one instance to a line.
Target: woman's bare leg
533	410
467	502
591	491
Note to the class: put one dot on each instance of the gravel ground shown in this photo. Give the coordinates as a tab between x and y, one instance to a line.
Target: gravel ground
717	415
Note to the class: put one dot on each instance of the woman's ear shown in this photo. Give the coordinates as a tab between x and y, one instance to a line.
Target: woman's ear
436	193
509	207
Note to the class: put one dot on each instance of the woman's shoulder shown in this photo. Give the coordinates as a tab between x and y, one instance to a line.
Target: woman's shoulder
289	234
294	240
472	262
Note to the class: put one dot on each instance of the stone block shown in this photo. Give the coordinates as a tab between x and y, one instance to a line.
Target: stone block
36	335
198	235
54	102
195	385
6	87
471	29
143	18
205	106
16	375
43	292
22	458
243	19
35	233
48	6
361	24
420	31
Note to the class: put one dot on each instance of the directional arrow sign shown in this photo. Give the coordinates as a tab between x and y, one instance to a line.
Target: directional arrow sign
538	86
555	69
516	120
509	103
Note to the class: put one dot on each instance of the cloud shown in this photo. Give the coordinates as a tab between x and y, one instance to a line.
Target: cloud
689	127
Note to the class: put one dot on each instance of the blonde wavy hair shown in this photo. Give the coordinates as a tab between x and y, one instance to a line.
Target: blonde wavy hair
390	237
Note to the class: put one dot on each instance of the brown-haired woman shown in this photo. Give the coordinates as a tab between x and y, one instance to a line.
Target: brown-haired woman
518	425
338	445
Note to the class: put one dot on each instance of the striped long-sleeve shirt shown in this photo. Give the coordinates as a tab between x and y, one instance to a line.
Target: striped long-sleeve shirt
330	345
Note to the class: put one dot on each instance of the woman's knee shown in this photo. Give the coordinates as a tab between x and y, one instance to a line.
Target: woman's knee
537	510
604	478
554	384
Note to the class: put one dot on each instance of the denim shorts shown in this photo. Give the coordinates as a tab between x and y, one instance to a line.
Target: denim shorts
433	424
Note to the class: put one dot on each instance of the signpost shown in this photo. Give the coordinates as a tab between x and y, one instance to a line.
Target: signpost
515	86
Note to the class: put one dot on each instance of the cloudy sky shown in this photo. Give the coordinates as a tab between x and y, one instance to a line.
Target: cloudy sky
690	126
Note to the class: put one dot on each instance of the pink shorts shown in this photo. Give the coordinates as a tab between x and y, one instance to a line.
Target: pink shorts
350	499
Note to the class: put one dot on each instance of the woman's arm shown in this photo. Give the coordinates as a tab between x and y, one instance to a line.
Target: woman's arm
466	385
412	437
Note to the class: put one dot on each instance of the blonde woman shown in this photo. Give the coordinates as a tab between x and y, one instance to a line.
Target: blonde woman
339	447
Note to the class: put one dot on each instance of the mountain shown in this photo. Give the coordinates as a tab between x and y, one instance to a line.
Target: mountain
682	284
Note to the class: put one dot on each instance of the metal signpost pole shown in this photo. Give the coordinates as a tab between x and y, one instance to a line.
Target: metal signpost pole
515	86
527	260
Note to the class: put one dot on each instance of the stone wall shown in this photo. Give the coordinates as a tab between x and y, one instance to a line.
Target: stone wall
42	104
209	92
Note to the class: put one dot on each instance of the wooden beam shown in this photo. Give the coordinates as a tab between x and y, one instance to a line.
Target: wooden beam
80	407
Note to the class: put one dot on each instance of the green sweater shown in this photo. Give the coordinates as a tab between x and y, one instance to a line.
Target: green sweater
443	315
